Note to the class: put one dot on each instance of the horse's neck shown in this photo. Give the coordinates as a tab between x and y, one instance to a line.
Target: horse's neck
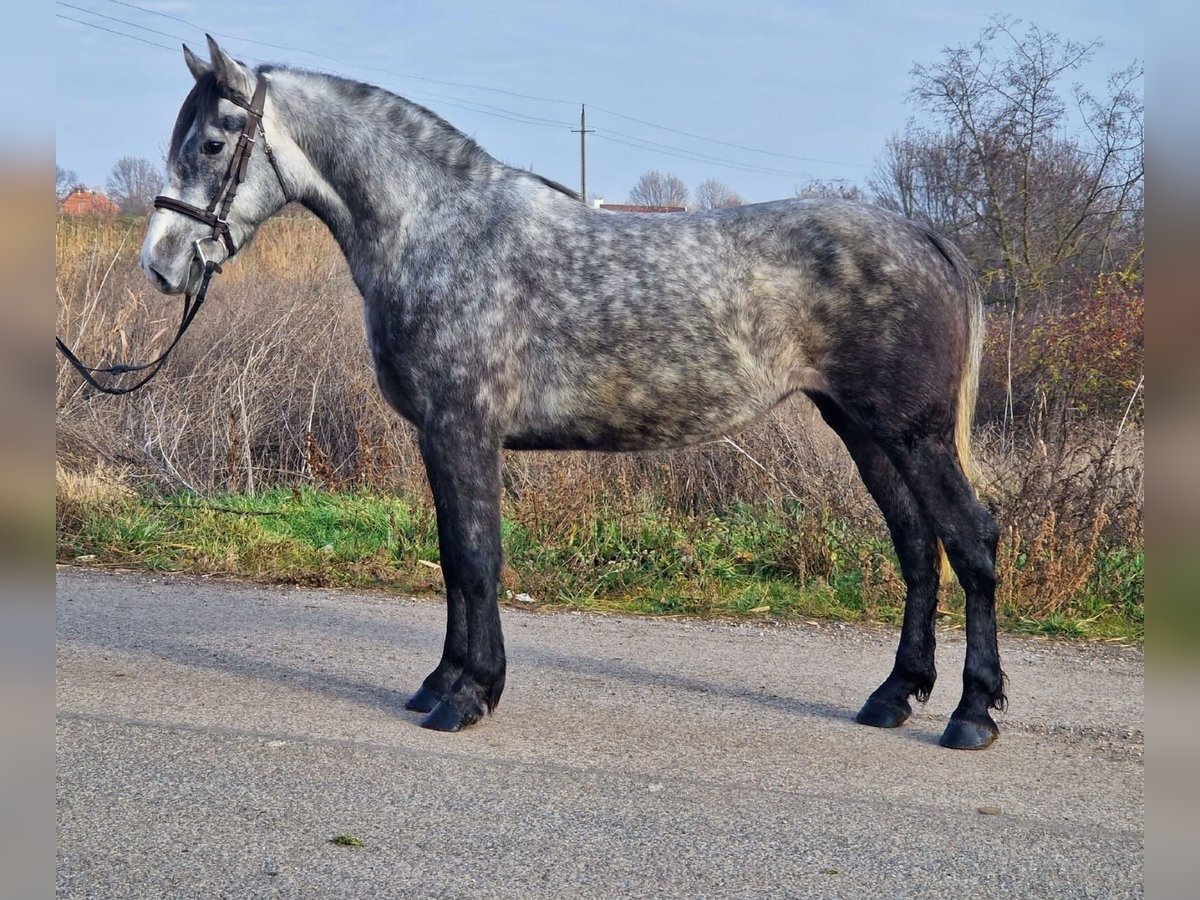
371	165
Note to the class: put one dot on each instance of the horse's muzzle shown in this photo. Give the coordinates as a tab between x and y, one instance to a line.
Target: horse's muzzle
205	251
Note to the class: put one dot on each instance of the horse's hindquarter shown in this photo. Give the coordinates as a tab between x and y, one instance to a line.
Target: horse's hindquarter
657	330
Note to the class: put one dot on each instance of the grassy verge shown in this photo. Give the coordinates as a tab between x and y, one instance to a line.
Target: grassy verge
747	562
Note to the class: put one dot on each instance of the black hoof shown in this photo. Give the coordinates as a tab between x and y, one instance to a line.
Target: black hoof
962	734
424	700
447	717
880	713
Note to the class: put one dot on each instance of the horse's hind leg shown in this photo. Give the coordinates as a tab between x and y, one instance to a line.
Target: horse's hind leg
913	673
929	465
464	475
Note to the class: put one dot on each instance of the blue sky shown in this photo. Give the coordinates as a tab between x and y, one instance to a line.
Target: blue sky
822	84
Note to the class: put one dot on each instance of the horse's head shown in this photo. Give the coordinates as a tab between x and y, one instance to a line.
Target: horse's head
200	172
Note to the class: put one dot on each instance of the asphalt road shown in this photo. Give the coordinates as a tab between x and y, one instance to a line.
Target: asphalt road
213	737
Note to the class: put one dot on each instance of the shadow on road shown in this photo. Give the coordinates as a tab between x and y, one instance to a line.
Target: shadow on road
419	639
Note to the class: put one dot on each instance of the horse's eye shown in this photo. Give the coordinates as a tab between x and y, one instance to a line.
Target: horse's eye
212	148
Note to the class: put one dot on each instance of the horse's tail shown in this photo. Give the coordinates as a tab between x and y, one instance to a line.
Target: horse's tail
968	382
968	385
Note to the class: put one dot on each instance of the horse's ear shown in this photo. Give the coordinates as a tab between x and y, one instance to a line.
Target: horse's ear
195	64
232	76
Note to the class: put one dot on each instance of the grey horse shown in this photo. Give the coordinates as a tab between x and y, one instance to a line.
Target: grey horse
502	312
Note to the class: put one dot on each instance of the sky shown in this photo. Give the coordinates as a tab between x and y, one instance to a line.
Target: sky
764	95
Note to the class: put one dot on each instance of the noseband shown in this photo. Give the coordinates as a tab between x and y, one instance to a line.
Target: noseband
214	215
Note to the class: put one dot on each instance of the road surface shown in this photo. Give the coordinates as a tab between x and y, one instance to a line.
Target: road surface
213	737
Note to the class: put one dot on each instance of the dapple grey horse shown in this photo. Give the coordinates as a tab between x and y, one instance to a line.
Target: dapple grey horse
502	312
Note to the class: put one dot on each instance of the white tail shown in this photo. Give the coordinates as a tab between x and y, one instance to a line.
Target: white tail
968	385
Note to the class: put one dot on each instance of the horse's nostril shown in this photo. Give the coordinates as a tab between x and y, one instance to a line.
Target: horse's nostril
161	283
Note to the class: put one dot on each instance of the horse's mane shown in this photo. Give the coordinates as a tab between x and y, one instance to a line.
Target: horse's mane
551	183
431	133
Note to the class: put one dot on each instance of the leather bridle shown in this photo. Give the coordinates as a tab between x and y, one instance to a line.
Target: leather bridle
215	216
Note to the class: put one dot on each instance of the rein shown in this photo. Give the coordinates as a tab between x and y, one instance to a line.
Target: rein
215	216
191	306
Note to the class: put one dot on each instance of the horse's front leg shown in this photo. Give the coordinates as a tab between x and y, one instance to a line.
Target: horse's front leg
454	651
464	475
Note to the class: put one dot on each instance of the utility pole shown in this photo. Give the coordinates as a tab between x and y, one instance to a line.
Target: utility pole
584	131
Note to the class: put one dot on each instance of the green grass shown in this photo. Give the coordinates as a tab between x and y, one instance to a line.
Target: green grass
747	562
1110	608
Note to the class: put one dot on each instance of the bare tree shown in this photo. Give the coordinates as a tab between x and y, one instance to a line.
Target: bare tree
1035	202
133	184
656	189
715	194
835	189
926	175
64	182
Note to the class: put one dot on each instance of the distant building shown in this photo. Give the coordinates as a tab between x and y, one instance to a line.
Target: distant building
630	207
83	202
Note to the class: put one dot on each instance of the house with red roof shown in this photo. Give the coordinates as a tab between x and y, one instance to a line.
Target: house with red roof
630	207
82	202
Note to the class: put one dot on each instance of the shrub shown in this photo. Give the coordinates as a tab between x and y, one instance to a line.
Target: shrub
1082	360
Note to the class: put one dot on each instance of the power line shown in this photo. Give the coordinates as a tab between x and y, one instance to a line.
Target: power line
683	153
482	87
750	168
112	31
701	137
699	156
92	12
460	102
345	62
140	27
499	112
485	108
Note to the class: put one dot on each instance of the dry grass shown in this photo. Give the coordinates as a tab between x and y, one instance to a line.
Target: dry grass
79	494
272	386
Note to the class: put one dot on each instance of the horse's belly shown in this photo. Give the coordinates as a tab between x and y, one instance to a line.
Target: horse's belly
638	417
